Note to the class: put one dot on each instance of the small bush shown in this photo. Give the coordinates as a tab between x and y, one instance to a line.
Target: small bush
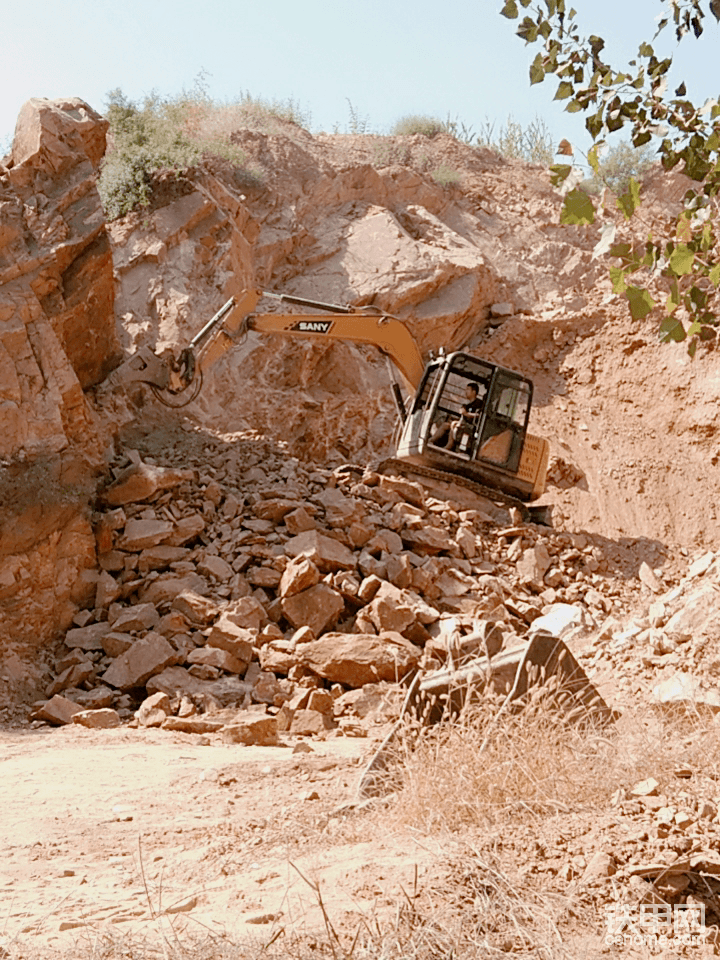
622	162
359	124
418	123
144	139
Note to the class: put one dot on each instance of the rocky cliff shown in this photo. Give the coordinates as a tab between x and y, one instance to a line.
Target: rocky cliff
57	340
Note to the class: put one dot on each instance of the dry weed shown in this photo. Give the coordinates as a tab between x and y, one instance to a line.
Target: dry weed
483	770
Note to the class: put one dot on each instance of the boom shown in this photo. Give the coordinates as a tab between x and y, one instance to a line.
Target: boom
360	325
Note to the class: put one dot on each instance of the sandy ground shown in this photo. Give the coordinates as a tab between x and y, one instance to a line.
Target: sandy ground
139	827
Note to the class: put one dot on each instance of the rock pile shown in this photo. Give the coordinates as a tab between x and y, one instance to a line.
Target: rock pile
256	581
669	647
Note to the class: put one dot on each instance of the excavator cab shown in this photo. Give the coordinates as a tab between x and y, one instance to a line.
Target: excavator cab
488	408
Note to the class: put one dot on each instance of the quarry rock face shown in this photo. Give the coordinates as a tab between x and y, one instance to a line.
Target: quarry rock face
57	324
57	338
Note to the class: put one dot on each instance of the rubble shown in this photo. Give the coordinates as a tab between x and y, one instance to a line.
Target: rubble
251	610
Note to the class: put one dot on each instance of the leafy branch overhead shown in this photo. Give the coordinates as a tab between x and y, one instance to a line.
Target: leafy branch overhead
684	264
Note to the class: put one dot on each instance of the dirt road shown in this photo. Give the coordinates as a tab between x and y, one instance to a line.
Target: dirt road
145	828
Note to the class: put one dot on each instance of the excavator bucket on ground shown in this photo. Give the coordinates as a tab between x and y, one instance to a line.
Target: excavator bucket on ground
542	665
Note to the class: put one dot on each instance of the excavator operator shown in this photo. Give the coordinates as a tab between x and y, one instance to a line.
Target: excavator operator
447	431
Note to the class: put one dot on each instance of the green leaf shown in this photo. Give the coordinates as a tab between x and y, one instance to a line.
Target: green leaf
641	303
696	166
707	237
564	90
630	201
559	172
593	159
692	347
693	330
714	274
698	298
617	276
528	30
672	329
641	138
594	125
578	208
681	261
673	300
537	70
510	10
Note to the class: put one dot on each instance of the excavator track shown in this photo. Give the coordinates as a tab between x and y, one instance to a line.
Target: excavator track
391	465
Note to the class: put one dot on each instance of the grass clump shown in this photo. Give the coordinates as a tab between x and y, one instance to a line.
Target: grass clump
479	771
418	123
533	144
446	176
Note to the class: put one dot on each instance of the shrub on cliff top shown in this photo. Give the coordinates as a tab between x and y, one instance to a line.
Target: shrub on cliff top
143	139
175	133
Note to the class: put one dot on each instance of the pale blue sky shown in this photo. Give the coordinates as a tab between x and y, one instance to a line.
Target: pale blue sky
388	57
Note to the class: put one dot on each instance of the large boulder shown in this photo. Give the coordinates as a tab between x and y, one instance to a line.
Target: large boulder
357	659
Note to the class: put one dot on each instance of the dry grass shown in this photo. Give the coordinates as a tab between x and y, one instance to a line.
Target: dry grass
475	772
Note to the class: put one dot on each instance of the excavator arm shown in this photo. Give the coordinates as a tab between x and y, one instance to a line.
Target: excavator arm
167	375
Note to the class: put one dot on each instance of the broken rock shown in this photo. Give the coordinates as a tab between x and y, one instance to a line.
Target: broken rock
533	565
141	616
58	711
141	480
141	534
251	729
196	609
153	710
299	575
142	660
390	610
216	567
327	554
236	640
357	659
317	608
103	719
216	657
87	638
307	723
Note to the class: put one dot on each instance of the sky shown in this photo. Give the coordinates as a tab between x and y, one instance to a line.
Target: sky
377	59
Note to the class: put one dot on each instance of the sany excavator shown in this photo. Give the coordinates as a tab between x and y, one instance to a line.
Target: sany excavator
467	421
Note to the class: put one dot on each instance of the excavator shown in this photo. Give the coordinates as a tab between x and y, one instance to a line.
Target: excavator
466	422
